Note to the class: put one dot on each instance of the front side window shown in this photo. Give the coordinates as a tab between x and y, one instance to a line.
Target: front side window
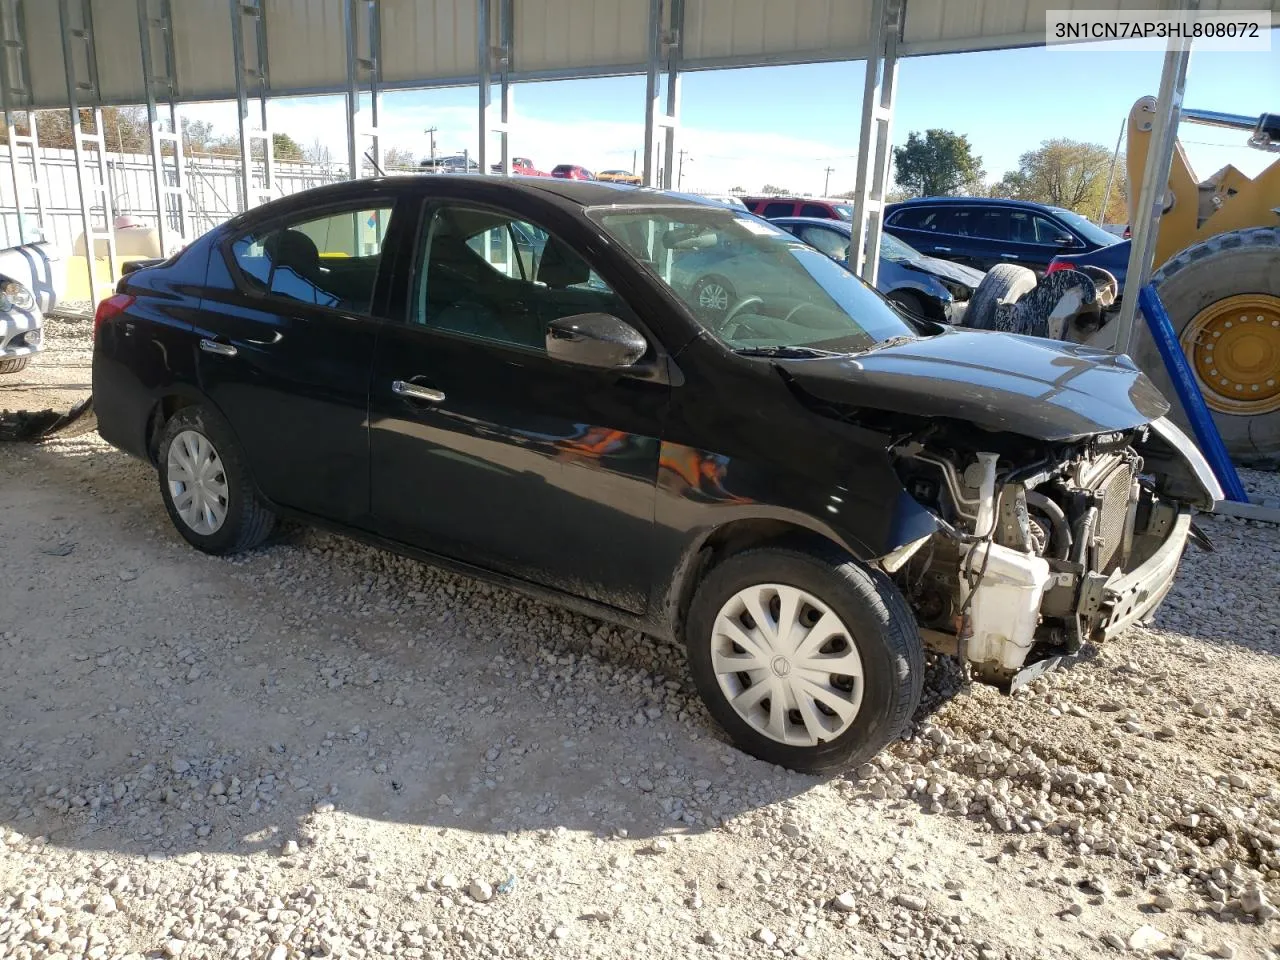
829	242
751	284
495	277
328	261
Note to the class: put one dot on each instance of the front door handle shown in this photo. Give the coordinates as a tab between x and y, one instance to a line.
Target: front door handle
1009	256
942	249
415	391
221	349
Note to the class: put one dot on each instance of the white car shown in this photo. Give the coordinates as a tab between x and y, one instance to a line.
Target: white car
21	326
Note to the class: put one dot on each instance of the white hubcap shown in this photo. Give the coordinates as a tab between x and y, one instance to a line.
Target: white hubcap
787	664
197	482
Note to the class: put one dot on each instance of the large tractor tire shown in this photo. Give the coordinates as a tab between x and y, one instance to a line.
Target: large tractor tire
991	306
1223	297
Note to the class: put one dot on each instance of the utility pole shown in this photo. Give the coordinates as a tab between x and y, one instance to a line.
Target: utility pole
633	161
431	132
826	186
680	169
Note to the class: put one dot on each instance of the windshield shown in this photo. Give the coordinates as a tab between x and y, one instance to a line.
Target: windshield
751	284
891	248
1086	228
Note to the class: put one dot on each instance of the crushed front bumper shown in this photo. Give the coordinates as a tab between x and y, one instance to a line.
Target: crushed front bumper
21	333
1132	596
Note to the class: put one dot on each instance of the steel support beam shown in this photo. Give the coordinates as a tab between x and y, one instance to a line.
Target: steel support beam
155	17
256	75
1155	182
80	57
666	45
364	75
875	146
15	94
494	58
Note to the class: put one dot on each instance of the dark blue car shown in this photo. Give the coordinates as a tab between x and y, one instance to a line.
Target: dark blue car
982	232
927	286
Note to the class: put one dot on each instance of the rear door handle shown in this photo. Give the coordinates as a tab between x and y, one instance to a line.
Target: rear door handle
942	249
1009	256
415	391
221	349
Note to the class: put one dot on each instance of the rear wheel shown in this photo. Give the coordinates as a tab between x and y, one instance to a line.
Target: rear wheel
715	294
807	659
14	364
1223	298
206	486
990	307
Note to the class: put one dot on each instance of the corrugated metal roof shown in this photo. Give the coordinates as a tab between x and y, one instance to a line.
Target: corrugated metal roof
433	42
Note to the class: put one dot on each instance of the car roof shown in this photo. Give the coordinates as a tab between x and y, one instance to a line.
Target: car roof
580	193
974	201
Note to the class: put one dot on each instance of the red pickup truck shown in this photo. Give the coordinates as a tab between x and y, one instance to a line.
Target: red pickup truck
522	166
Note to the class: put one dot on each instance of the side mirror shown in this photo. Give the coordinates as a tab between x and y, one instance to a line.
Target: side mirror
595	340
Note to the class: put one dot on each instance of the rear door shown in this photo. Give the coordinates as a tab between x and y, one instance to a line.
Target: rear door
286	337
487	450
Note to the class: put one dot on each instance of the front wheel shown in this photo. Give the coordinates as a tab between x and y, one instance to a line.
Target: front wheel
807	659
206	486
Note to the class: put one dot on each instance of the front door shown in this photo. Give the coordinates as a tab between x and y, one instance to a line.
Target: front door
286	338
485	449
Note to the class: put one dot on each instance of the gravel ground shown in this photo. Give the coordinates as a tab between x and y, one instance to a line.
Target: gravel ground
321	749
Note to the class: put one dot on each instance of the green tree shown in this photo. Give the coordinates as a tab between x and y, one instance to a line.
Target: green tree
770	190
936	164
285	147
1068	173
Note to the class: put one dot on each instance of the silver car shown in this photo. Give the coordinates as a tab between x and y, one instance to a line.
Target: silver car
21	326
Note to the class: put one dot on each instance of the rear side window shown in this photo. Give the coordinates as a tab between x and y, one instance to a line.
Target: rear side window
815	210
991	224
328	261
777	209
916	218
829	242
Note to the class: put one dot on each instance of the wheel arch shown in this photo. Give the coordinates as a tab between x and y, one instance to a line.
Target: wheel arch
734	536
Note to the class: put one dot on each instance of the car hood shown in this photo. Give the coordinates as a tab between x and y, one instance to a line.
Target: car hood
1001	382
945	269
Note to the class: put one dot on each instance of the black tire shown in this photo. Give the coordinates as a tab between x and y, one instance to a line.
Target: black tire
879	624
248	521
710	280
14	364
1230	264
1000	289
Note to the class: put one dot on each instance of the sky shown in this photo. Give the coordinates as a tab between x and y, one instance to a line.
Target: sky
785	125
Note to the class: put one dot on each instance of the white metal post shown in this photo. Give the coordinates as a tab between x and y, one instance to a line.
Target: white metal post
488	57
15	92
259	75
875	148
1155	182
363	71
666	29
159	78
1111	174
78	49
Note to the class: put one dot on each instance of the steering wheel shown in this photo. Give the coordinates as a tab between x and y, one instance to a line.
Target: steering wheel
796	309
738	307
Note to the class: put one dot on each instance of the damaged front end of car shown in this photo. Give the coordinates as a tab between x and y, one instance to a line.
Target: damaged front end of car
1062	494
1043	546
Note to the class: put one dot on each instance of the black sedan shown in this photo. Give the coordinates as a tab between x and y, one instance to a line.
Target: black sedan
505	377
929	287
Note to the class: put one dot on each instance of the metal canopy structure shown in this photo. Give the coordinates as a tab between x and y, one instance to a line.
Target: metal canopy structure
431	43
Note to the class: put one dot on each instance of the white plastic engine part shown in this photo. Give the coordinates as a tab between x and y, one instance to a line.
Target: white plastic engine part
986	519
1005	608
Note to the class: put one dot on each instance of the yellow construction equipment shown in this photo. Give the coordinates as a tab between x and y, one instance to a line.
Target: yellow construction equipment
1217	270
